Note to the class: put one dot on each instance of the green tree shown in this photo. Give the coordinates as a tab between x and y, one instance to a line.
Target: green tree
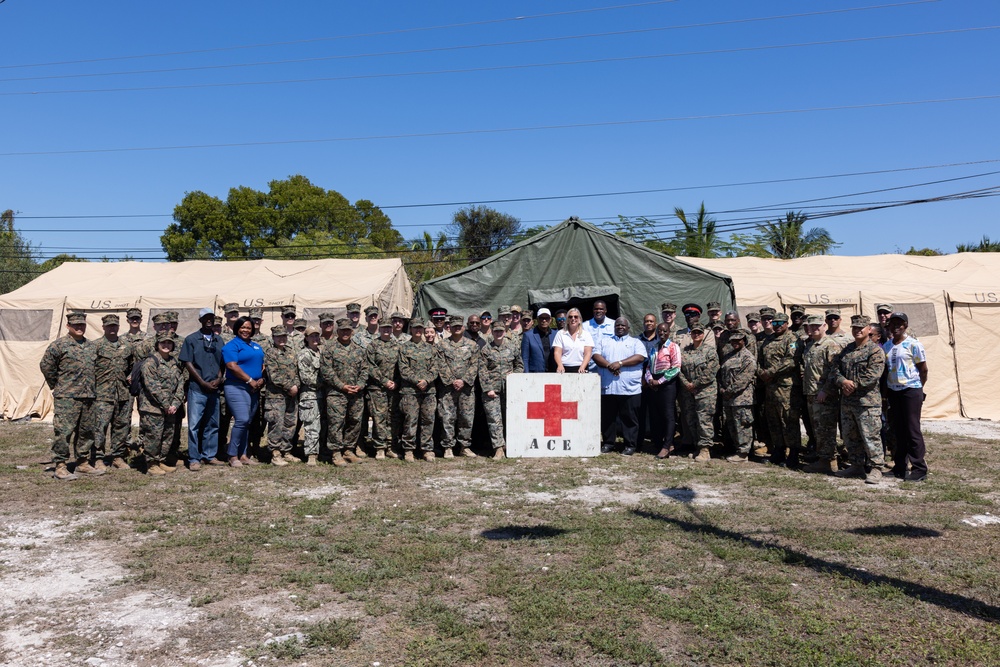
640	230
320	244
482	231
696	238
923	252
983	246
19	257
528	232
785	239
430	257
57	261
249	222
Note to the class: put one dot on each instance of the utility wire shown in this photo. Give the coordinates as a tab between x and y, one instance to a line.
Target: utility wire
533	128
497	68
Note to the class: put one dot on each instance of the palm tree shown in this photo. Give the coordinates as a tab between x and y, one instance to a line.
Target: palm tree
983	246
429	258
698	237
785	239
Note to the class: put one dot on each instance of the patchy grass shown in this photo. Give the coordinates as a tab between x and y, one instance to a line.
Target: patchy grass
610	561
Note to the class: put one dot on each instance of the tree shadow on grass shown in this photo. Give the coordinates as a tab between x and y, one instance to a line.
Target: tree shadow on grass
952	601
522	533
896	530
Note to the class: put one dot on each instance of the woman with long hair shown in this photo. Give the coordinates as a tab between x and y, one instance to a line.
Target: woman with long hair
662	370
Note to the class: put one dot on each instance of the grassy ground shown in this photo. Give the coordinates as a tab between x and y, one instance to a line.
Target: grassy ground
607	561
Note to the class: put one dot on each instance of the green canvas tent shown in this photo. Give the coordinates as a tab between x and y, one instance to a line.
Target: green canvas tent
576	263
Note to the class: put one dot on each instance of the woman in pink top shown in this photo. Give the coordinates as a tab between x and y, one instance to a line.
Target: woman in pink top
662	367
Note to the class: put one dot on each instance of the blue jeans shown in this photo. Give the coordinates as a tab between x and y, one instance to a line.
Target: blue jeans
203	424
242	405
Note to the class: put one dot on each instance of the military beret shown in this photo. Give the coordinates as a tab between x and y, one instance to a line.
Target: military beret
76	318
385	321
438	313
767	311
231	308
287	308
667	307
738	334
327	317
416	323
133	312
691	308
279	330
515	309
883	308
311	329
503	310
780	318
160	318
354	307
714	305
299	322
795	308
498	326
256	313
455	320
397	315
344	323
860	320
753	317
371	310
833	312
814	319
109	319
172	316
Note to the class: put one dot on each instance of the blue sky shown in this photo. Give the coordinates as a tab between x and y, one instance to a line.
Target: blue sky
728	88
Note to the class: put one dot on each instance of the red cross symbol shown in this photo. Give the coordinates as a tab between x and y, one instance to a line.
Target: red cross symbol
552	410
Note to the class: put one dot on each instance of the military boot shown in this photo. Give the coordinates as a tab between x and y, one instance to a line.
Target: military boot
704	454
737	458
290	458
448	454
360	452
119	463
499	453
390	453
313	460
408	455
350	456
468	453
277	459
155	469
429	455
62	473
84	468
338	459
874	476
822	466
167	468
99	466
379	454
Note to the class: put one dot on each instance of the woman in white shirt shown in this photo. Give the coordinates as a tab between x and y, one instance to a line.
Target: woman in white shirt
573	346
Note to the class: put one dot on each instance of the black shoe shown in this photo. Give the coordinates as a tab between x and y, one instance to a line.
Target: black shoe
628	451
607	449
915	476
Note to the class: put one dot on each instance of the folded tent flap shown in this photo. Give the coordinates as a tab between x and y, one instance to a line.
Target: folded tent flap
976	318
576	296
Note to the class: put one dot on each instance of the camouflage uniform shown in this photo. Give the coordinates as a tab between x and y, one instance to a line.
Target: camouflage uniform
281	373
68	367
341	365
383	403
113	408
777	356
861	412
699	367
736	387
495	364
726	348
417	361
363	337
456	407
311	399
816	361
162	387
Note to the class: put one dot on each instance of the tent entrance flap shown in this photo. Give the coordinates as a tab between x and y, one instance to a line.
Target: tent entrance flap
577	296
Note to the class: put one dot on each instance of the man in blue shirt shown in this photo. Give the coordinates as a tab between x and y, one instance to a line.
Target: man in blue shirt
619	359
201	354
599	327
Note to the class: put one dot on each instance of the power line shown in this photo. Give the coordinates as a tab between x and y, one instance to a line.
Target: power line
462	47
382	33
534	128
497	68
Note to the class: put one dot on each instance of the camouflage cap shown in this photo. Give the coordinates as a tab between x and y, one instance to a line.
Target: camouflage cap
667	307
76	318
161	318
278	330
814	319
860	320
697	326
515	309
371	310
738	334
311	329
718	326
256	313
231	307
287	308
172	316
883	308
528	315
354	307
109	319
133	312
835	312
344	323
416	323
779	318
713	305
164	337
456	320
299	322
503	310
796	308
385	321
219	320
498	326
767	311
327	317
397	315
753	317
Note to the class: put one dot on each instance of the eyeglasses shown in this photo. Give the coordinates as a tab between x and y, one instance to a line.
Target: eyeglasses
574	317
290	316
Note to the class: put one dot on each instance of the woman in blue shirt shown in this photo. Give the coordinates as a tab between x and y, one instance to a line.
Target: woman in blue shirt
244	360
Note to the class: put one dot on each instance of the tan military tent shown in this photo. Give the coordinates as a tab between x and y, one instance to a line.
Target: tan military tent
952	301
34	315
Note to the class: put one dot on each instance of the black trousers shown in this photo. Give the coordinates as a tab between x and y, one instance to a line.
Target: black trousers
904	411
623	410
663	414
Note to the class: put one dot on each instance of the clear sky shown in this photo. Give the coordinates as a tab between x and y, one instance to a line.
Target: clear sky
425	78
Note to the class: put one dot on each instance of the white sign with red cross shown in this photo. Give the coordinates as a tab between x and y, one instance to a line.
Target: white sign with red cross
549	414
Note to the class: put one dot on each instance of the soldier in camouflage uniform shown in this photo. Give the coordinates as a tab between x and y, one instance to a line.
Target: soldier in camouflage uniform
68	368
295	338
737	376
231	311
776	367
281	373
366	334
159	403
732	324
833	328
343	372
327	328
311	396
176	456
363	336
382	393
816	360
856	372
456	400
699	392
418	370
114	358
398	323
497	359
354	315
134	337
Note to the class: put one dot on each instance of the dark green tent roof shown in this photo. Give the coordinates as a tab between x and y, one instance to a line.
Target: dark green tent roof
575	260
